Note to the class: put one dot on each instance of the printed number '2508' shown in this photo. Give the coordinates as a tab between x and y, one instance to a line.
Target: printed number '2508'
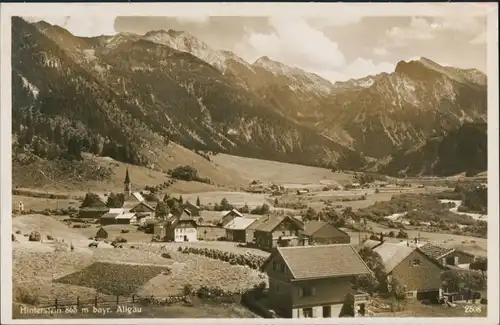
472	309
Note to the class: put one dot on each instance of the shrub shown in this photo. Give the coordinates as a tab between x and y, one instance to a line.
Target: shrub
25	296
124	231
35	236
166	255
13	237
187	290
49	237
120	239
18	232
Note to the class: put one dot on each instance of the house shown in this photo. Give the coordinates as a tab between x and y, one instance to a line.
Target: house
143	211
447	256
322	232
180	228
419	274
92	212
312	281
227	216
125	218
193	209
109	219
236	229
250	231
350	217
276	230
101	234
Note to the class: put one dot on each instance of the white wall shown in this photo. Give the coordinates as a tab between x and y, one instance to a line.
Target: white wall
190	233
318	311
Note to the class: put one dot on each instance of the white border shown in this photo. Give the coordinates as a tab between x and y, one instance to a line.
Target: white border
249	9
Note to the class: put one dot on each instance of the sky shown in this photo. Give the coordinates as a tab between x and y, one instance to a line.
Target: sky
337	48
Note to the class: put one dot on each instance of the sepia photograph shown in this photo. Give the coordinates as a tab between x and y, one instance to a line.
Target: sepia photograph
249	161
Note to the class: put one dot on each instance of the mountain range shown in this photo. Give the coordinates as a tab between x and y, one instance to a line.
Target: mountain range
126	95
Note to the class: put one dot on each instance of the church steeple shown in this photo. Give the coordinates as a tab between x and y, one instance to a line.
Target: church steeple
127	189
127	178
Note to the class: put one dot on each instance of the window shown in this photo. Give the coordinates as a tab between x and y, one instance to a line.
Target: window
307	312
275	265
282	267
307	291
415	262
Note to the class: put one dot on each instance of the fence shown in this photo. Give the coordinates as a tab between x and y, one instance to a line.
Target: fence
106	301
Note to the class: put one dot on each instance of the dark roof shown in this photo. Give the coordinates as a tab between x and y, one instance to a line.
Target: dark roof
314	226
321	261
145	204
269	223
371	244
434	251
95	208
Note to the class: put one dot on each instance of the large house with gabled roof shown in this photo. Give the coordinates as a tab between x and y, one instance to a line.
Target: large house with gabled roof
419	274
277	230
322	232
312	281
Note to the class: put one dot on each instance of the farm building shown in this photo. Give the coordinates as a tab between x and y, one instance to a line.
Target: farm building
193	209
236	230
180	229
321	232
151	226
109	219
126	219
447	256
305	284
274	230
350	217
92	212
142	211
120	218
101	234
227	216
420	275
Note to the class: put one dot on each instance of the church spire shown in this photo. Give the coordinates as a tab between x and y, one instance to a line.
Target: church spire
127	178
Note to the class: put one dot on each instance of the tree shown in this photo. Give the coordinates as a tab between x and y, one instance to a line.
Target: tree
245	209
224	205
115	200
374	262
174	206
198	203
162	210
479	263
276	202
310	214
398	291
166	197
181	200
91	199
265	209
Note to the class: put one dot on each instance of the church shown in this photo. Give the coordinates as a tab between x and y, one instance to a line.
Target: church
135	209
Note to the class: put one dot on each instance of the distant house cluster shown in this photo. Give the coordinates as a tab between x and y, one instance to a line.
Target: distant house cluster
136	210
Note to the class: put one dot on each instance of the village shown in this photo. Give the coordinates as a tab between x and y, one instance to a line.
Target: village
284	265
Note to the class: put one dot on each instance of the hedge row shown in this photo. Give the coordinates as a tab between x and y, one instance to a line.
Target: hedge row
253	261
